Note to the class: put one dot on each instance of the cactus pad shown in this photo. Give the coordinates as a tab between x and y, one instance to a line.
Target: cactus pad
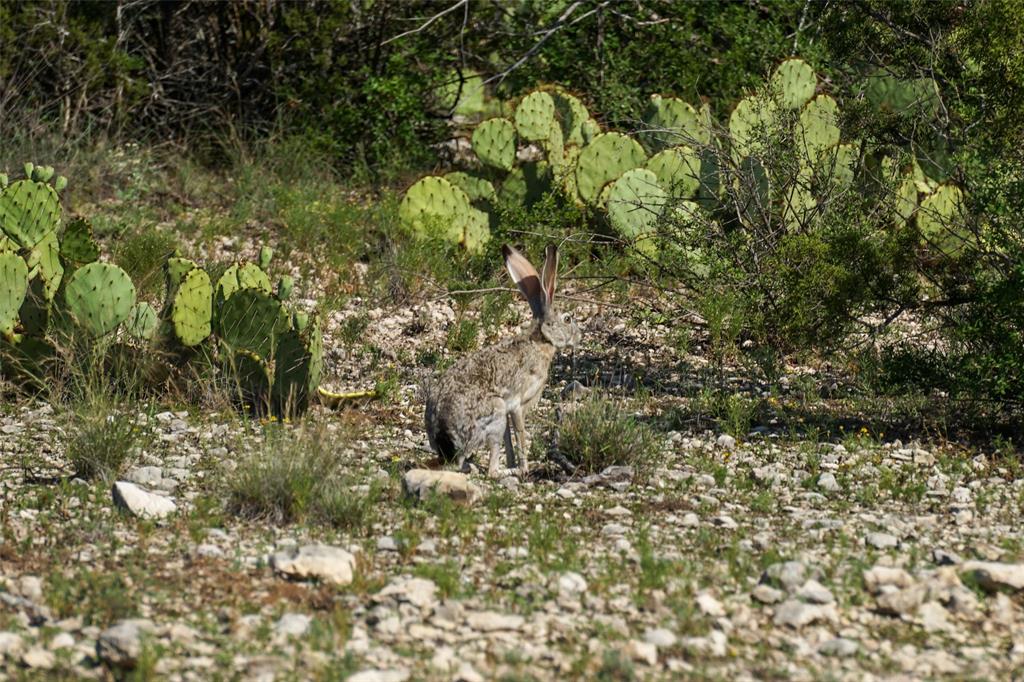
43	262
478	231
635	202
241	276
192	308
571	116
669	122
494	142
527	184
298	365
434	205
838	165
903	199
77	244
606	158
99	296
677	170
940	219
534	115
142	321
252	320
793	83
29	212
749	122
284	288
250	377
590	130
13	285
818	128
175	270
476	188
266	254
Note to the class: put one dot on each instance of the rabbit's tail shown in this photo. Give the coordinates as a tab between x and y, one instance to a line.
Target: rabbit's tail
438	431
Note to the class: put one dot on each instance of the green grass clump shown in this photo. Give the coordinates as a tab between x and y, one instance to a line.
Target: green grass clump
103	442
300	475
599	433
142	255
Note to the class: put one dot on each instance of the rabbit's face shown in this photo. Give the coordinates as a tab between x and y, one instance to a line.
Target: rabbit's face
560	329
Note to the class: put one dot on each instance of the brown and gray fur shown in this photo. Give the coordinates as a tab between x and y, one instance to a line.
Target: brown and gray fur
479	398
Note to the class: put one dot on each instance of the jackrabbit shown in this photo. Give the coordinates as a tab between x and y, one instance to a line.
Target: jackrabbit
478	399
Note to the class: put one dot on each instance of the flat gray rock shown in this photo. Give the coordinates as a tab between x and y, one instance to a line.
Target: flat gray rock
380	675
797	614
419	592
141	503
994	576
293	624
882	540
421	483
320	562
840	647
121	645
490	621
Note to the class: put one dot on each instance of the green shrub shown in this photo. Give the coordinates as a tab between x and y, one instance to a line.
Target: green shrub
598	433
299	475
104	441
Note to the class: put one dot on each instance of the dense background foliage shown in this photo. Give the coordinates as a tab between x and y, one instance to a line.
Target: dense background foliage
370	90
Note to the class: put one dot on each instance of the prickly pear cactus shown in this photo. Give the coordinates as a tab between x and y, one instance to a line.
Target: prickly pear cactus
940	219
527	184
432	204
250	377
837	165
818	128
494	142
607	157
42	173
266	254
241	276
793	83
252	320
192	308
99	297
534	116
175	270
284	288
77	244
298	366
571	116
13	286
903	198
635	202
670	122
749	123
477	232
43	262
677	170
142	321
476	188
35	309
29	212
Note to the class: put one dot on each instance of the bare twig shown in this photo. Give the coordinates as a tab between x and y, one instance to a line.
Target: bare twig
428	22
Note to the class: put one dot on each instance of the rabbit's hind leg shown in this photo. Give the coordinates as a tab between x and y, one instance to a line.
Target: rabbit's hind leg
522	438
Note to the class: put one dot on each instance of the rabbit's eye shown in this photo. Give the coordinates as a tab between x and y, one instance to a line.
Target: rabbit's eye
566	317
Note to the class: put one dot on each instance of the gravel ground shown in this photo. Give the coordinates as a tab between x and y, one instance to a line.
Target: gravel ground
777	554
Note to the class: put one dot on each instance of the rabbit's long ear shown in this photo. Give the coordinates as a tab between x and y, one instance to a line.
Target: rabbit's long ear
526	278
549	273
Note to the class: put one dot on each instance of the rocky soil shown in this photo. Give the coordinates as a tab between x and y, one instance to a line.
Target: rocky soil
778	554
